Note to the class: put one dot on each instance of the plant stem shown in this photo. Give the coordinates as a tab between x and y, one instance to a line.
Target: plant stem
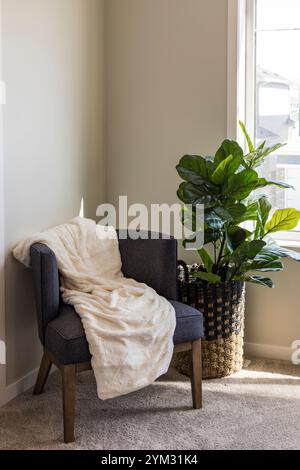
235	271
215	252
221	250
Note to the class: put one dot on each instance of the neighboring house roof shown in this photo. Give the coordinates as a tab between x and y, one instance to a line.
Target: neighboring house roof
265	133
268	77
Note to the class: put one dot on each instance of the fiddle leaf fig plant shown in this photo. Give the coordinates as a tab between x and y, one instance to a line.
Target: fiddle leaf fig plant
227	185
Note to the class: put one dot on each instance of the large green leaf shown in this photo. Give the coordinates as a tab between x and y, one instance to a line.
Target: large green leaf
265	256
228	147
283	219
192	168
235	237
272	249
285	253
223	213
188	193
263	266
239	186
250	213
236	210
247	250
225	168
191	194
258	156
210	166
190	220
262	281
264	207
213	221
264	152
249	141
207	261
211	235
195	170
262	183
209	277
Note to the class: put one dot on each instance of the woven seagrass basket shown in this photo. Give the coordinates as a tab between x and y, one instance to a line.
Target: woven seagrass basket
223	309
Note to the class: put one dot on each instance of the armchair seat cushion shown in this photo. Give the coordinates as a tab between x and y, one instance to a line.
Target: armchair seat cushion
65	337
189	323
66	340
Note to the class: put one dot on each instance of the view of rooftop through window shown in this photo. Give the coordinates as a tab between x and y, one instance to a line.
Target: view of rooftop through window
277	37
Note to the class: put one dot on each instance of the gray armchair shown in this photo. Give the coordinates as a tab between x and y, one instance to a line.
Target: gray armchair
153	262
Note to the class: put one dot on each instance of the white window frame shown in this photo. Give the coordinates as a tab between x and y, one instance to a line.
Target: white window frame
241	82
241	67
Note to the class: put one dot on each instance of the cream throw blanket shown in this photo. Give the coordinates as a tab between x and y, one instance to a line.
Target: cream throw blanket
129	327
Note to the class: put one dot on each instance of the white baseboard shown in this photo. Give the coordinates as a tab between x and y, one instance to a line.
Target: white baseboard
20	386
268	351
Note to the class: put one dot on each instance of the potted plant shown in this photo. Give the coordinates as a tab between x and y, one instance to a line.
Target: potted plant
238	245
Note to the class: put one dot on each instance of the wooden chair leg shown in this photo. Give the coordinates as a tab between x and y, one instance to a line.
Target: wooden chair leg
42	375
69	390
196	374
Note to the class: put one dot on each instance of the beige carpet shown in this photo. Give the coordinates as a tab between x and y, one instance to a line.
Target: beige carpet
259	408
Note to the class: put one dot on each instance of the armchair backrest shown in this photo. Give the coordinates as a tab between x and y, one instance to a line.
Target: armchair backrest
151	261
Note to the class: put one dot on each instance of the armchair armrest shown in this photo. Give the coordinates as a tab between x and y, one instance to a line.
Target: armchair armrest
151	261
46	285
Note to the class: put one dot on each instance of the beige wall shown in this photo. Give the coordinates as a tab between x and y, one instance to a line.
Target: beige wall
273	315
166	64
166	88
166	91
53	54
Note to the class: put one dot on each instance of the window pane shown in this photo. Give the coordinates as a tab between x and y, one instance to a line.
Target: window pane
278	14
278	95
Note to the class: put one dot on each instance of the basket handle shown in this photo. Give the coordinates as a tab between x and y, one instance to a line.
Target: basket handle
186	270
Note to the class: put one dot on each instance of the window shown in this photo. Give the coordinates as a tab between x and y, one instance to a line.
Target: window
272	91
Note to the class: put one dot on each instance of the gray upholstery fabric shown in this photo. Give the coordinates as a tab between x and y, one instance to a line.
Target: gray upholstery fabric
189	323
153	262
46	286
65	337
